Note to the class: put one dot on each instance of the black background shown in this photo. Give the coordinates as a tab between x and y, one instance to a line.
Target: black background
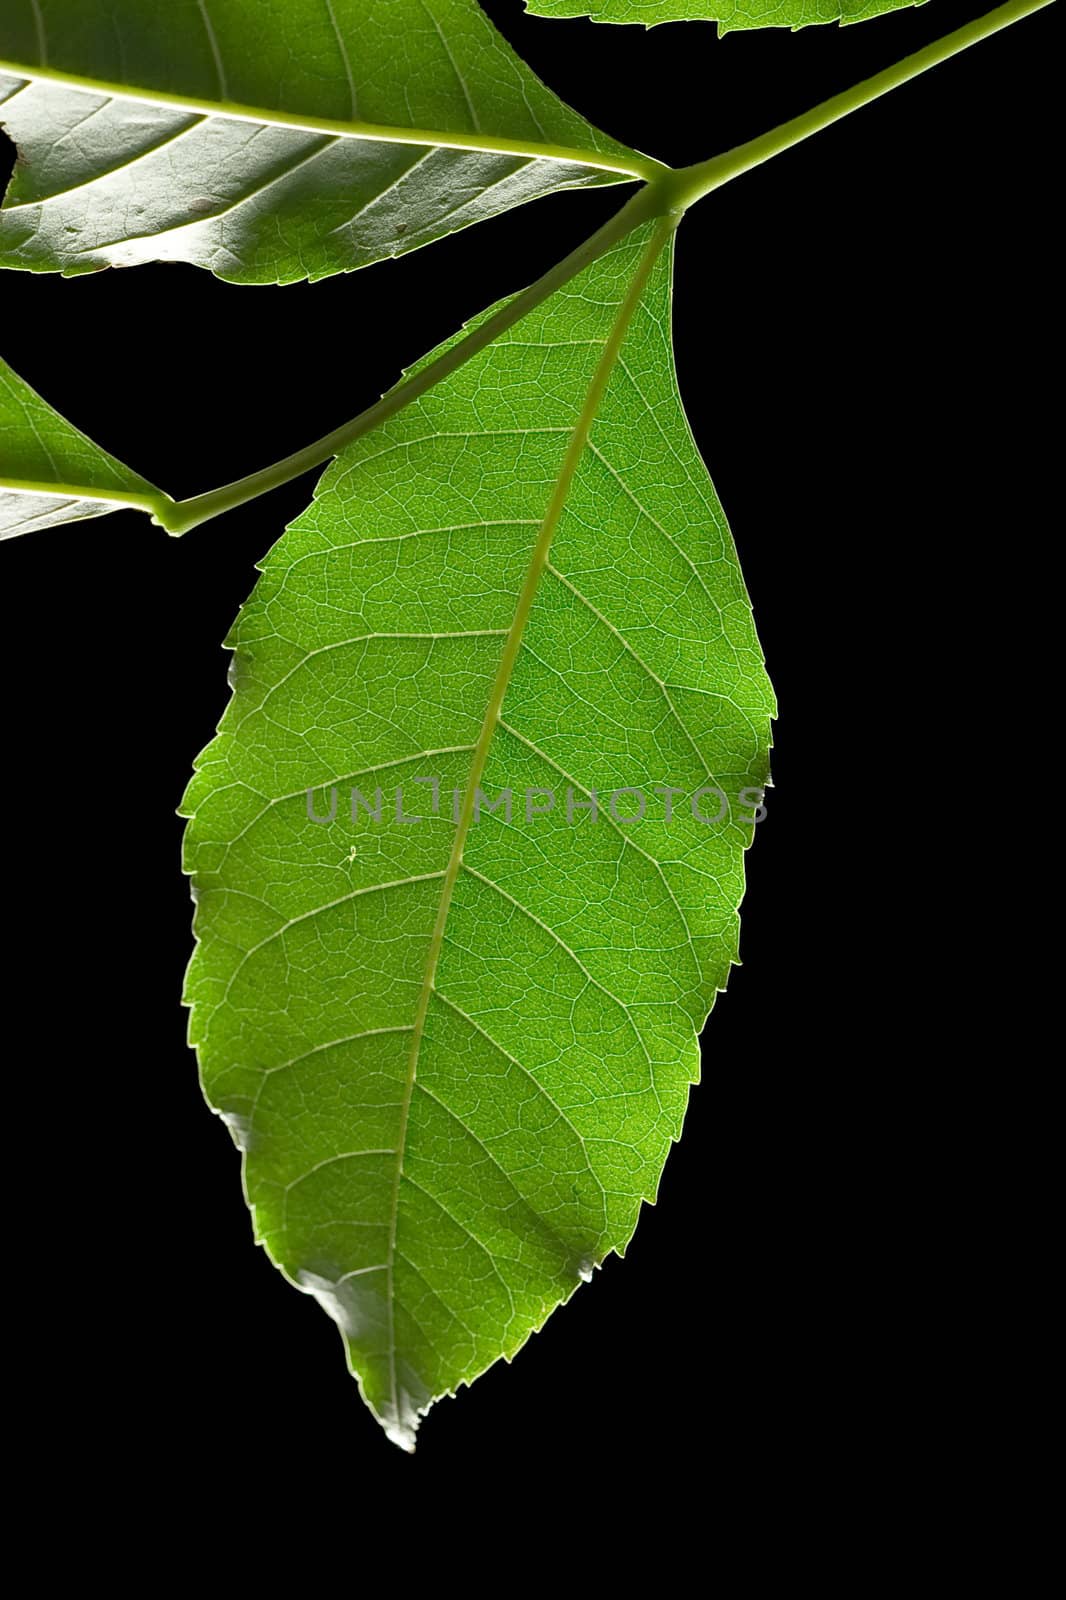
862	329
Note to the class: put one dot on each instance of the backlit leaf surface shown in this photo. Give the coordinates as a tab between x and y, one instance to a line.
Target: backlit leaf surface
455	1057
729	14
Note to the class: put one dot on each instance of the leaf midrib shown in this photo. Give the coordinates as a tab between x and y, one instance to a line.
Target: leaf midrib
632	166
575	449
73	491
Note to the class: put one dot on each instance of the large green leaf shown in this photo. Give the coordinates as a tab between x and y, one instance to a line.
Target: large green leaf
729	14
50	472
270	141
455	1052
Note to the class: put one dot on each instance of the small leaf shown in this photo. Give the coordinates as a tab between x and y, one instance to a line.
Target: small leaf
729	14
51	473
271	144
455	1052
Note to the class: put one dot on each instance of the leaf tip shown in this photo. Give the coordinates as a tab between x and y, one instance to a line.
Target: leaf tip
401	1434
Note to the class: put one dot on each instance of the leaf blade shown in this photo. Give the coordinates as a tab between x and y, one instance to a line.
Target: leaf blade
52	473
731	15
134	148
534	1085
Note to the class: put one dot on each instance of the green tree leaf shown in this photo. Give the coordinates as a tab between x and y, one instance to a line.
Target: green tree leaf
271	143
50	472
455	1052
729	14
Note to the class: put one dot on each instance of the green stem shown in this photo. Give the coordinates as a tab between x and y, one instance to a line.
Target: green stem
692	183
666	192
186	514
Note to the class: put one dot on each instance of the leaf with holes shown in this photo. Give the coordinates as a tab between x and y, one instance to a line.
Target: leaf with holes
271	143
729	14
455	1050
52	473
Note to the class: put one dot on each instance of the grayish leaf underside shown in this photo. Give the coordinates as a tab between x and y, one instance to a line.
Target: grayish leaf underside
31	513
152	184
172	132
